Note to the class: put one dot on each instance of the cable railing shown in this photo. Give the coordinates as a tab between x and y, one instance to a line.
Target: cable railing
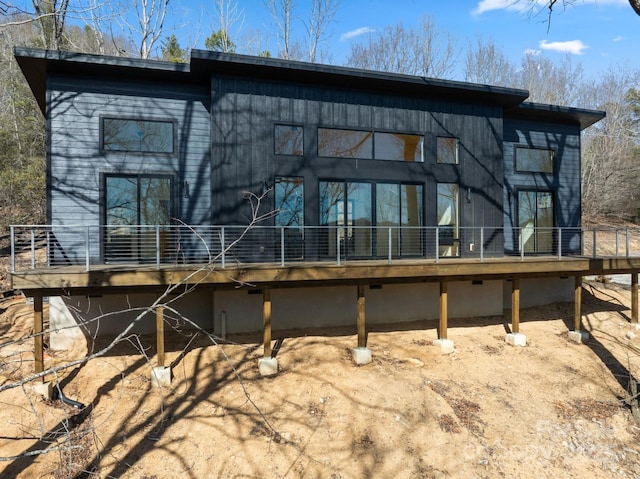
158	246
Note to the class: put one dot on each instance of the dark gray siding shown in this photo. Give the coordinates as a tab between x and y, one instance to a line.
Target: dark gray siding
564	182
76	165
244	111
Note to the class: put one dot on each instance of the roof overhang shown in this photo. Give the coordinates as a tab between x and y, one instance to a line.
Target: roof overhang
36	64
556	114
216	63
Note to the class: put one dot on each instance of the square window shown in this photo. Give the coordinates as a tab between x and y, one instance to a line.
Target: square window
447	150
288	140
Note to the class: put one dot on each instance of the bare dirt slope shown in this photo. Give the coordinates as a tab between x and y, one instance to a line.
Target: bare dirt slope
551	409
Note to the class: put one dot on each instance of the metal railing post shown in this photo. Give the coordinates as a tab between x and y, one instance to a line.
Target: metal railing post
33	249
87	258
13	249
282	246
617	252
559	243
390	248
627	242
594	242
482	244
521	240
48	248
222	247
157	246
338	244
437	244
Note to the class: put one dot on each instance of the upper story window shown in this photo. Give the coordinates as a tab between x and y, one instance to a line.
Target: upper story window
536	160
368	145
335	143
447	150
288	140
398	146
137	135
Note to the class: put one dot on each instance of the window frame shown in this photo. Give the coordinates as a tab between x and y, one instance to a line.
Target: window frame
530	148
456	152
289	125
174	133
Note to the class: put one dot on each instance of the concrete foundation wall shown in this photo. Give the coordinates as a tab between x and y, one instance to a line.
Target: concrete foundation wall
294	308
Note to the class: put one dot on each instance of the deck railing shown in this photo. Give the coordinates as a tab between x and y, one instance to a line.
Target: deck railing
44	246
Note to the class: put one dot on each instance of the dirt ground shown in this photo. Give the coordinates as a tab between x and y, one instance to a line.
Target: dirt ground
550	409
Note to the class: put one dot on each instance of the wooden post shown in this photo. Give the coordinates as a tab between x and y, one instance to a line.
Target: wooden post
160	335
266	322
577	310
515	305
634	298
38	327
362	326
442	329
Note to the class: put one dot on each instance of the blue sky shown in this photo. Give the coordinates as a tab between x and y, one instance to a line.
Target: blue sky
594	33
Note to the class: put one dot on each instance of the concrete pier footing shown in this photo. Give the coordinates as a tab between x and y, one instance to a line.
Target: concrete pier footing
161	377
361	356
446	345
516	339
268	366
579	336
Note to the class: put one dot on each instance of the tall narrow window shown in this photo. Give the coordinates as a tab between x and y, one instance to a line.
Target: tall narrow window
536	160
535	217
289	193
398	205
136	135
447	150
448	226
288	140
135	206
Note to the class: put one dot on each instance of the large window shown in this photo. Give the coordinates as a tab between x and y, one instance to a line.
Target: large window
447	150
134	206
448	219
366	216
367	145
137	135
335	143
289	193
535	217
288	140
535	160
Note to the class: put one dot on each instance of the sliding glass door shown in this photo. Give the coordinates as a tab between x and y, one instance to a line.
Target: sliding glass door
535	218
135	205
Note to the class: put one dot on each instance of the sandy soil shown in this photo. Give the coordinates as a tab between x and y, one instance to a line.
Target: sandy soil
551	409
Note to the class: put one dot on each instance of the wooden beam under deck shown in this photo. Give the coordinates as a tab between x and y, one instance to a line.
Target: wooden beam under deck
73	279
160	334
266	322
634	298
38	328
362	327
444	314
577	310
515	305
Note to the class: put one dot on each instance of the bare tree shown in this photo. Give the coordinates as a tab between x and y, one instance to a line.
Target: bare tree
425	51
486	63
282	15
321	15
535	6
549	82
148	28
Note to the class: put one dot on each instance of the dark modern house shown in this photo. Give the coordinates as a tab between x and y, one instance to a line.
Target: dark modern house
348	179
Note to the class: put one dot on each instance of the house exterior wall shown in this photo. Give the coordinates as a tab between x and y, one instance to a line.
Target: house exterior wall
564	182
244	112
76	165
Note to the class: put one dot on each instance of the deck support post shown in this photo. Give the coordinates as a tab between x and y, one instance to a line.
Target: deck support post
38	328
160	375
515	338
361	354
578	335
446	345
267	365
634	300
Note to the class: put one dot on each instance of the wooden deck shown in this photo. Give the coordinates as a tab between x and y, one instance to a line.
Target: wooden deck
75	279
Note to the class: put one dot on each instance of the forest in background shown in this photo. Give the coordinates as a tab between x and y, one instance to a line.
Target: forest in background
610	149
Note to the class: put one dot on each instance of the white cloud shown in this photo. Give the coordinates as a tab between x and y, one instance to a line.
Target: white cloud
531	51
619	38
356	33
512	5
572	46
